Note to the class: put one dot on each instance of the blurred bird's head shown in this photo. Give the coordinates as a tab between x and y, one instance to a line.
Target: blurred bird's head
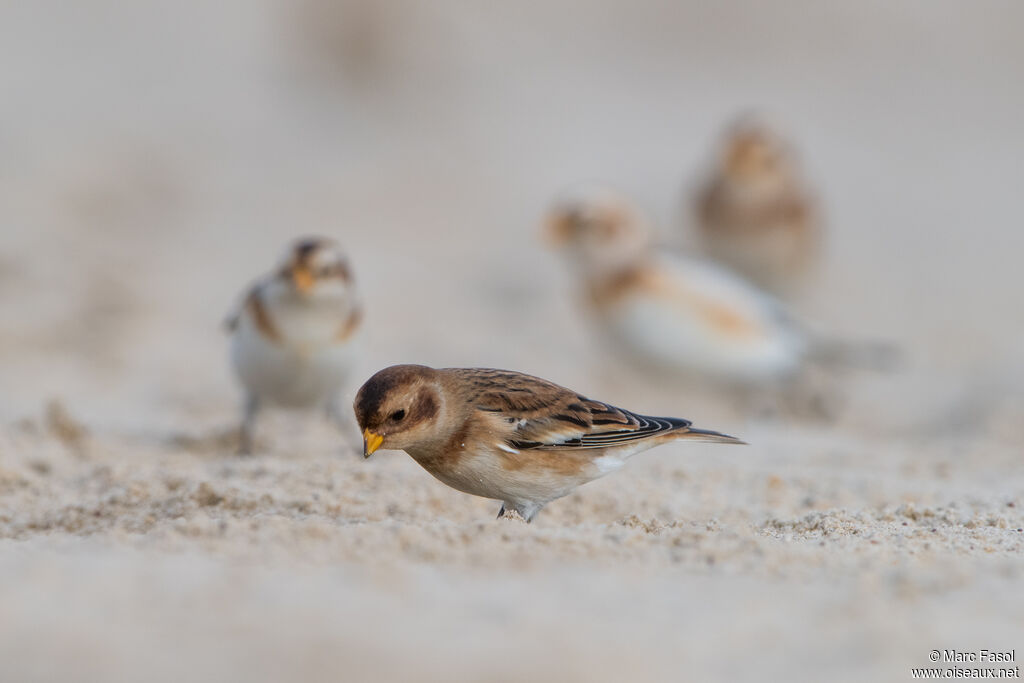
754	154
598	231
315	268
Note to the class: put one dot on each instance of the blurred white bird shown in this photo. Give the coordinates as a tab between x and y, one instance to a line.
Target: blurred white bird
292	337
677	312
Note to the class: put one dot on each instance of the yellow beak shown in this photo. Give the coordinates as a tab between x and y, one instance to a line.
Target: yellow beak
303	279
371	442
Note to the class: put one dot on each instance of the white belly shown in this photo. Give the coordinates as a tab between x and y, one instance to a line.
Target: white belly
708	322
289	374
534	477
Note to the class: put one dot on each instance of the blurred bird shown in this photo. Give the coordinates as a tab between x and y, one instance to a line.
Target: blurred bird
754	213
292	337
505	435
681	313
668	309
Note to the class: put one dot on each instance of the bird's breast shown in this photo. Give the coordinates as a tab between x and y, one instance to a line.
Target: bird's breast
511	474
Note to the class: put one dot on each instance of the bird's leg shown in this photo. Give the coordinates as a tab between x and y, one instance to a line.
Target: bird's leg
518	511
249	411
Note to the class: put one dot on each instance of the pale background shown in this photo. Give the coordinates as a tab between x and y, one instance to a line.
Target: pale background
157	156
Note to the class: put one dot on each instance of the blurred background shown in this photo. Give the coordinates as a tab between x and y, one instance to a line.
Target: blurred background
157	156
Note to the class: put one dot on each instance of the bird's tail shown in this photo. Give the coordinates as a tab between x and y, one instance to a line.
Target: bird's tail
856	355
694	434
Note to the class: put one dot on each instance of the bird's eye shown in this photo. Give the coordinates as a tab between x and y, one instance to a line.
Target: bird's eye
398	415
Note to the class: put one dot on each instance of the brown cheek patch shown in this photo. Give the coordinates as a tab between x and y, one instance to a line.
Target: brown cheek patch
261	318
424	407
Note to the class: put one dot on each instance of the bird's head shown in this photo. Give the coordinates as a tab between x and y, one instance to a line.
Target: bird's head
315	268
399	407
753	154
598	230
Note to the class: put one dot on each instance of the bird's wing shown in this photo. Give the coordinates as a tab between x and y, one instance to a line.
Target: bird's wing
235	314
251	301
538	414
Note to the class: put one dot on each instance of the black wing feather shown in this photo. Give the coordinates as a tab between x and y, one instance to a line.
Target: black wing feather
551	417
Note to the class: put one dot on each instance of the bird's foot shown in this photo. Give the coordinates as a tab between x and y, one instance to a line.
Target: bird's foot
511	514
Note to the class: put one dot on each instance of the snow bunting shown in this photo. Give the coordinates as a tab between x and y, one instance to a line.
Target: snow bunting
667	309
292	337
754	213
505	435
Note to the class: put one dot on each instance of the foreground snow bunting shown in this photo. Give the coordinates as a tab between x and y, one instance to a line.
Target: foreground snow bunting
669	310
754	213
291	339
505	435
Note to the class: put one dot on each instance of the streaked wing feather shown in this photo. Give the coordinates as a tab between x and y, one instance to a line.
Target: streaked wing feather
547	416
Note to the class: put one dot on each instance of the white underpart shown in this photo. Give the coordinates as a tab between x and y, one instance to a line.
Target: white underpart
308	366
607	464
526	489
669	329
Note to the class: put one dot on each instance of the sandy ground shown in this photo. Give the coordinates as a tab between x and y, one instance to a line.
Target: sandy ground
156	156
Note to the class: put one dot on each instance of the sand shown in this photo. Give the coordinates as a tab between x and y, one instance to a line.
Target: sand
157	157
